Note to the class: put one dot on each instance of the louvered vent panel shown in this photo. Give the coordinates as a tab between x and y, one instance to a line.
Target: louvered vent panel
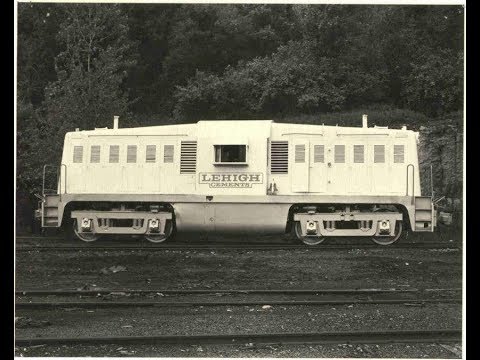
379	153
339	153
114	153
398	153
188	157
279	157
318	153
358	153
300	153
168	153
131	153
150	153
95	154
77	154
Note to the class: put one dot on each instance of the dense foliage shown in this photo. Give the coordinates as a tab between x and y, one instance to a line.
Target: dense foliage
80	64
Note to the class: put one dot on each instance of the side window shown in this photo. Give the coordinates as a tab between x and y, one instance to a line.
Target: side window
300	153
95	154
168	153
150	155
340	153
358	153
379	153
318	153
230	153
398	153
77	154
114	153
131	153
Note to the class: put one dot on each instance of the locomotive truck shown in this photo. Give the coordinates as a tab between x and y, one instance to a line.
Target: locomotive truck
249	176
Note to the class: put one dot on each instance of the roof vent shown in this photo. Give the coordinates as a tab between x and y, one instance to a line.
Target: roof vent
364	121
115	122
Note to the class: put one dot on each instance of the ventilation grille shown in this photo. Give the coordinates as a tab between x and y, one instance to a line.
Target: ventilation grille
131	153
279	157
300	153
318	153
398	153
114	153
150	153
379	153
339	153
77	154
95	154
358	153
168	153
188	157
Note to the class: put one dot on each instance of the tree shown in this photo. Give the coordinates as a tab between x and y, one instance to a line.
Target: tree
91	68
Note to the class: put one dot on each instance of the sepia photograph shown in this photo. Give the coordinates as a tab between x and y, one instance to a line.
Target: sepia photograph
276	179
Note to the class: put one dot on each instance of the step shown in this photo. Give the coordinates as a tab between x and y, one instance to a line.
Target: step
423	203
423	215
51	212
420	226
51	200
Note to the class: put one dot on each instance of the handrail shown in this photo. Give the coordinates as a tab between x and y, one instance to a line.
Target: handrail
413	182
59	180
65	180
431	182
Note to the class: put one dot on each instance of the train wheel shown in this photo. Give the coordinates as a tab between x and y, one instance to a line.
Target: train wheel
87	237
307	240
161	237
387	240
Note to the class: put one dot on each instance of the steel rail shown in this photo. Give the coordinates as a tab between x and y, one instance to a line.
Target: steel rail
25	292
106	304
369	337
440	246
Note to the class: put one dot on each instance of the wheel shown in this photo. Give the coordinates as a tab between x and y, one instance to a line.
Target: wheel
87	237
158	238
307	240
387	240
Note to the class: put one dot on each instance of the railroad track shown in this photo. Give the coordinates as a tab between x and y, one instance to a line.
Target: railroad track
33	292
364	337
88	247
120	304
340	297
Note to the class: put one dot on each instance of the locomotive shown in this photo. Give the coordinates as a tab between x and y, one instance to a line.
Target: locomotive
231	176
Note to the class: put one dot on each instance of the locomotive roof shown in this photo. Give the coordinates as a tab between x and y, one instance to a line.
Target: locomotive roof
236	125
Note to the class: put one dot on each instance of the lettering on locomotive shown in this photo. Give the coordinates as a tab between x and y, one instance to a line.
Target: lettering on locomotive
230	180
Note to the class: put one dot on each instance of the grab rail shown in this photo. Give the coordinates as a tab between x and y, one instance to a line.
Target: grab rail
413	182
43	177
65	179
59	179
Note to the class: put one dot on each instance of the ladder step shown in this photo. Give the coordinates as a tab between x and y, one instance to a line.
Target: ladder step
423	215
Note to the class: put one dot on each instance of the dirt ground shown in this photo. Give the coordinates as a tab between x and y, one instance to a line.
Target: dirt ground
348	268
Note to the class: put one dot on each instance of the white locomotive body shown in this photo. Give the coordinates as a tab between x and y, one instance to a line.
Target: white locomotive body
240	176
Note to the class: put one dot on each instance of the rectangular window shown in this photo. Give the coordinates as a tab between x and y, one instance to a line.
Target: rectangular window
77	154
131	153
379	153
150	153
168	153
230	153
300	153
279	157
114	154
398	153
95	154
358	153
188	157
318	153
339	153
